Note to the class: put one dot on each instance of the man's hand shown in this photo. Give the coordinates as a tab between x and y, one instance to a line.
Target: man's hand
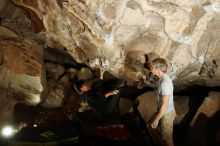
113	92
154	124
161	111
77	90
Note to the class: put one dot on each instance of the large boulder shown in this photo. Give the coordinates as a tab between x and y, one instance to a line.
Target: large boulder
84	74
54	71
200	127
125	106
56	94
182	108
148	106
58	55
22	71
6	33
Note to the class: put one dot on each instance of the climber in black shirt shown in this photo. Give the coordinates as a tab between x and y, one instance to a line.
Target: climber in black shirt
100	103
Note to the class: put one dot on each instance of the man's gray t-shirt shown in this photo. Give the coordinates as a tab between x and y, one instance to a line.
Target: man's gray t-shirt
165	87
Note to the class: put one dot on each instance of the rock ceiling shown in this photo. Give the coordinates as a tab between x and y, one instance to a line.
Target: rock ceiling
117	34
39	37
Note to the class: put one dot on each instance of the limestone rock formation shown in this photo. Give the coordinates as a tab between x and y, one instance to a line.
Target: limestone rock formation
181	107
22	69
84	74
4	33
201	126
54	71
186	33
56	94
125	106
150	100
123	36
147	106
14	18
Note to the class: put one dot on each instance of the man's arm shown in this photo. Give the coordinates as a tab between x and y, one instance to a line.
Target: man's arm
77	90
161	112
110	93
102	71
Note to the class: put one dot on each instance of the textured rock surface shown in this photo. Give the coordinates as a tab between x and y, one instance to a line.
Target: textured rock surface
125	106
115	34
58	55
22	69
15	19
181	107
148	106
209	107
55	95
5	33
54	71
200	125
84	74
186	33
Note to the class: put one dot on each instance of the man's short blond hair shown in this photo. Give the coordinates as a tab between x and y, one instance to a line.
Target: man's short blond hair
160	63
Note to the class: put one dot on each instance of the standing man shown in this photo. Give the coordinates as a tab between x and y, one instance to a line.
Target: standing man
165	114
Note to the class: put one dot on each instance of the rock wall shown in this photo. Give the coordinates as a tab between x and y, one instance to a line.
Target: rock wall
202	130
186	33
114	34
22	69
